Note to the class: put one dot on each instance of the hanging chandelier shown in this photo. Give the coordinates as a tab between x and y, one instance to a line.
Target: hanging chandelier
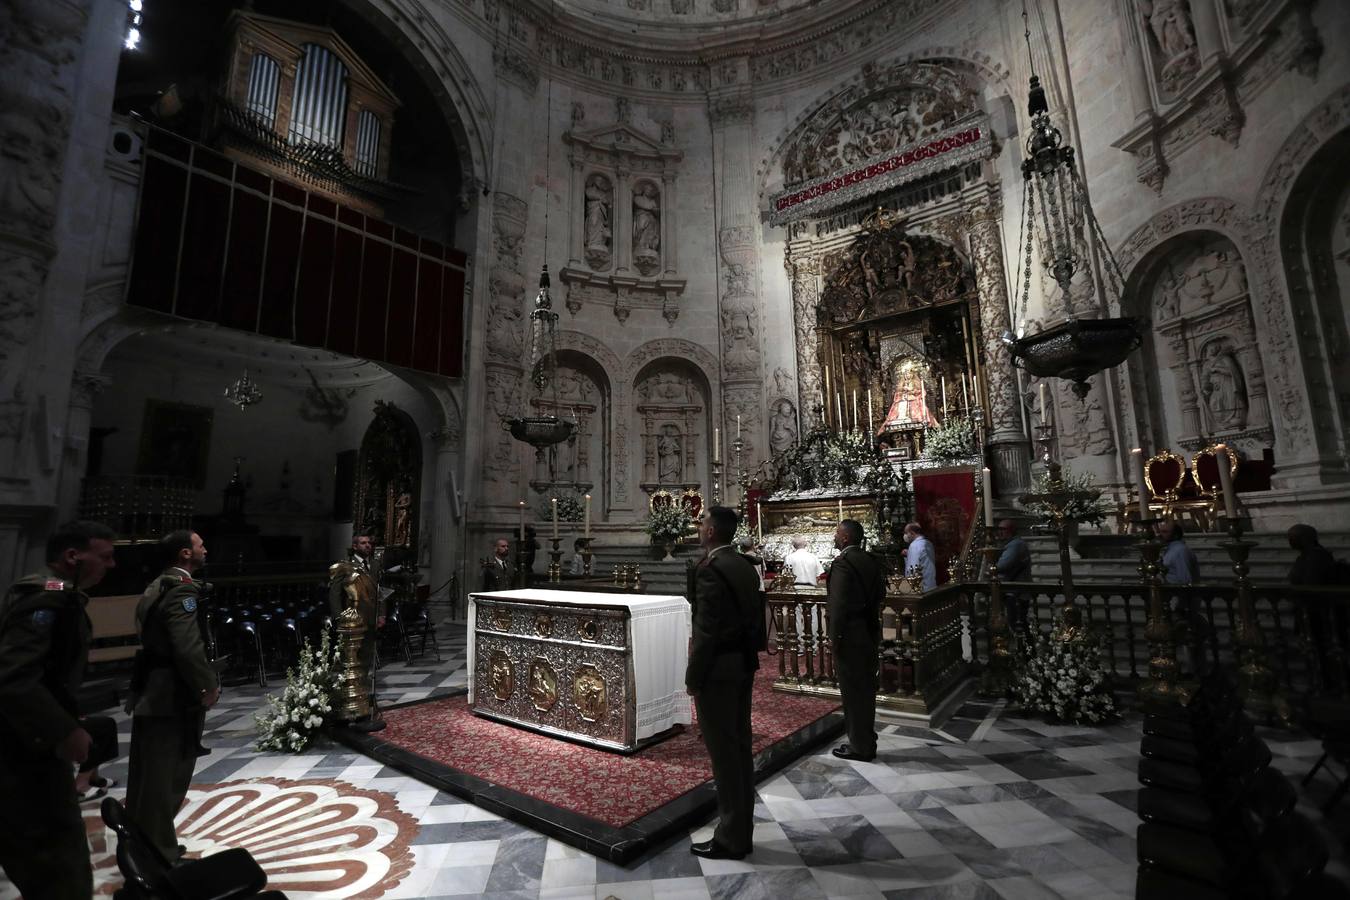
244	392
1078	347
544	430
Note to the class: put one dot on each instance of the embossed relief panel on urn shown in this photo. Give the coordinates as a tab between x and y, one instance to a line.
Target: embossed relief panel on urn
1211	379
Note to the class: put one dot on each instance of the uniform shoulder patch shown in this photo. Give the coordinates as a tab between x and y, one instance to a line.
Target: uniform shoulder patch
43	618
54	584
190	604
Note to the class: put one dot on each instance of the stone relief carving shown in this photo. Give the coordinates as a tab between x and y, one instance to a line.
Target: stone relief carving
667	388
1169	23
805	302
885	272
598	231
1083	429
1205	334
646	227
864	121
742	402
618	399
671	406
782	381
782	425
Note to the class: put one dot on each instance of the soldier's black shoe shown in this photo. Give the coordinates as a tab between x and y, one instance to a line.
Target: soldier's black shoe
844	751
713	850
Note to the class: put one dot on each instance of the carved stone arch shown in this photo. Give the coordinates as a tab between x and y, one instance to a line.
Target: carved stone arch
615	462
1201	373
868	78
1306	361
676	347
431	52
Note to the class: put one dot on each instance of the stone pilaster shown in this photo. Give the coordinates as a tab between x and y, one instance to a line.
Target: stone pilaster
1008	443
731	111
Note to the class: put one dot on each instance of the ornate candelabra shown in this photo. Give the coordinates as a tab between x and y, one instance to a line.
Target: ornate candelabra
555	561
1163	671
996	679
1057	500
716	482
586	557
1256	680
355	706
742	507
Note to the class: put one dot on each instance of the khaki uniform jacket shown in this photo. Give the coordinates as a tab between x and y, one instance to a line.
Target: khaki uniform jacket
856	588
172	636
498	577
726	601
44	645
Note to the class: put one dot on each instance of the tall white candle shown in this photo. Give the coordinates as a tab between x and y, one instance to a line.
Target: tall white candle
1045	420
522	521
839	409
1140	482
855	408
965	397
717	447
988	498
554	502
870	428
588	515
944	396
738	426
1221	456
759	520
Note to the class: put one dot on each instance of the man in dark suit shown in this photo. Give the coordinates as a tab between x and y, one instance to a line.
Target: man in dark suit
497	574
856	588
722	664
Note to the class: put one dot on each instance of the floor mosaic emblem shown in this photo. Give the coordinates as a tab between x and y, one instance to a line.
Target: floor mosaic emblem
313	837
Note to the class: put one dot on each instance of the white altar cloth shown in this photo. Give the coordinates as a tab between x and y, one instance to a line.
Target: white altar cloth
659	634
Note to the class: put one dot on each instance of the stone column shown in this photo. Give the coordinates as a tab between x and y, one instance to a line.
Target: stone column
576	231
84	389
1011	449
1185	384
731	111
1208	37
668	232
1136	69
623	221
442	534
805	272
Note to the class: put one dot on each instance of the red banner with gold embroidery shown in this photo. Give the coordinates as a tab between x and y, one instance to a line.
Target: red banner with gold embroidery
944	504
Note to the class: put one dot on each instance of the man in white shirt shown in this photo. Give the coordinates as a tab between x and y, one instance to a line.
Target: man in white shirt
920	555
806	568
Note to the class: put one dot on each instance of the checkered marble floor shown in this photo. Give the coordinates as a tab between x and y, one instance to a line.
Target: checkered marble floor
993	805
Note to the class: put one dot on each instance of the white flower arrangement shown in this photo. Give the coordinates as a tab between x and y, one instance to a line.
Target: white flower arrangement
668	522
954	439
1064	679
291	721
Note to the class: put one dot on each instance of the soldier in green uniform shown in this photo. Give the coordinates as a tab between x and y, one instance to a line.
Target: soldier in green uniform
44	645
856	589
720	677
173	686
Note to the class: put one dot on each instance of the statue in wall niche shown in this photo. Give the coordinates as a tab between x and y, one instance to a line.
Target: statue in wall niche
669	456
1223	387
668	132
646	227
401	532
1170	23
739	343
1085	431
782	426
782	381
599	198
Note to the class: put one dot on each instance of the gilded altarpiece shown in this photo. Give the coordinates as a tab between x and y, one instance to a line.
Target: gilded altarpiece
389	478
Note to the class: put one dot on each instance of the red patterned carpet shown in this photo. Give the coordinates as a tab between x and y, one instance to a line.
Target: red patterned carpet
598	784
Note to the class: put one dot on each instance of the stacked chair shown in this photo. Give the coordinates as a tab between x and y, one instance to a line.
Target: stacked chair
259	637
1217	820
228	875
